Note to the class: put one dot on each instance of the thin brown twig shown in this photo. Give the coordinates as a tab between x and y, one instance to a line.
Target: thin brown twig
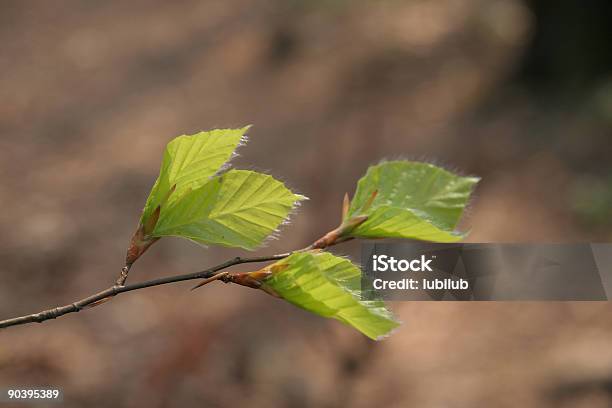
116	290
107	294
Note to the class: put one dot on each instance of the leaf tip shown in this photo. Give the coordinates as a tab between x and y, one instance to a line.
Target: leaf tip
395	327
474	179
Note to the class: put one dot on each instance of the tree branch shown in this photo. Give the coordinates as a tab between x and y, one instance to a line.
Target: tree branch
109	293
115	290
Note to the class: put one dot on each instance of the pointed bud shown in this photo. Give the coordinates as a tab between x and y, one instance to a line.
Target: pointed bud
346	203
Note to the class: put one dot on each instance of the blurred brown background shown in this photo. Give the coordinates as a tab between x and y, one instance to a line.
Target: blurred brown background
517	92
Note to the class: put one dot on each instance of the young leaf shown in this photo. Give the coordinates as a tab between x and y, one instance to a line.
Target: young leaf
403	199
329	286
238	209
189	162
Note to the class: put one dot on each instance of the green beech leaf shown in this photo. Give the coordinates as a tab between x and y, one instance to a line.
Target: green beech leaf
403	199
189	162
239	208
329	286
